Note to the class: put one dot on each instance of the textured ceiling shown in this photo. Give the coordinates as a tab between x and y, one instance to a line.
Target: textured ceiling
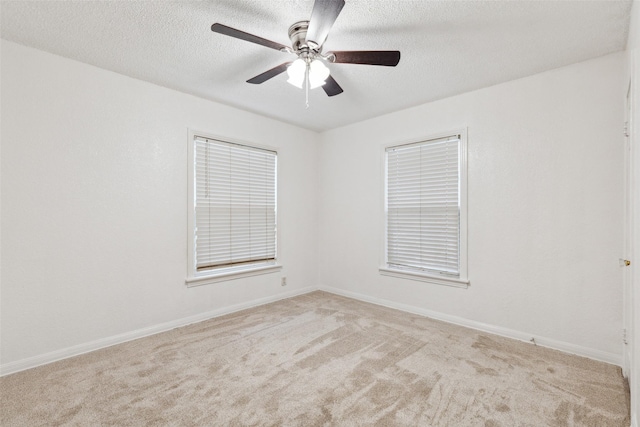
448	47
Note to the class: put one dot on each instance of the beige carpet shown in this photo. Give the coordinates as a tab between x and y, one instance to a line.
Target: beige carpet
316	360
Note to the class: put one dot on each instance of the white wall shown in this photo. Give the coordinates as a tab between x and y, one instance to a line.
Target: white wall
94	206
545	156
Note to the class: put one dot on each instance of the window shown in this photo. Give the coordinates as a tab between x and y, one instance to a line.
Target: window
232	221
425	208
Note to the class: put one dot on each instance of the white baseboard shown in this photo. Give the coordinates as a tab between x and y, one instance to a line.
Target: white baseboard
612	358
32	362
76	350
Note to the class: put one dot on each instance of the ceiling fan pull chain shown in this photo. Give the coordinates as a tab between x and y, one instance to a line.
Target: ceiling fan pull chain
306	85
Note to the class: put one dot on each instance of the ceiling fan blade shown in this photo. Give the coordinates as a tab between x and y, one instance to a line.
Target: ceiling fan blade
261	78
232	32
331	87
323	15
389	58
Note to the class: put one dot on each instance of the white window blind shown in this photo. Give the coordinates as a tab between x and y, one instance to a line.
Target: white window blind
423	206
235	204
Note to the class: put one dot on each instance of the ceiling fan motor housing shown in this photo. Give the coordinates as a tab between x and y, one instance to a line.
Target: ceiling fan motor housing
298	36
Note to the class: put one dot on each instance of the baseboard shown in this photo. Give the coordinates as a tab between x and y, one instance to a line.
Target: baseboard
590	353
32	362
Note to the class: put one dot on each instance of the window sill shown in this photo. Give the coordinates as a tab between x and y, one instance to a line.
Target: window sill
231	275
423	277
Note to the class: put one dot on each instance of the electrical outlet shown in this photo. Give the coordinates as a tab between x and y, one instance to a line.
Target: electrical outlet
283	282
624	336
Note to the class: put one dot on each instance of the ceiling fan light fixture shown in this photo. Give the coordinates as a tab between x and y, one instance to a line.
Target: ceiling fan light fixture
318	73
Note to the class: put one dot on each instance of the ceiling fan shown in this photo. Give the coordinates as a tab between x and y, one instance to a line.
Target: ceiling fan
307	37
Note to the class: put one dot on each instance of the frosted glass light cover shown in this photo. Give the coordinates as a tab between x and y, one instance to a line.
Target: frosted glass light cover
296	72
318	73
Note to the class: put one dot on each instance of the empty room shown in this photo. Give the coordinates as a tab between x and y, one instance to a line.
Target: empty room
320	213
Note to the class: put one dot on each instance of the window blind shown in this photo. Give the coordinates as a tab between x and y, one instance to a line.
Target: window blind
423	206
235	204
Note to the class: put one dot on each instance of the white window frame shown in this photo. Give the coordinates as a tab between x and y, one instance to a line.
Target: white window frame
195	277
462	280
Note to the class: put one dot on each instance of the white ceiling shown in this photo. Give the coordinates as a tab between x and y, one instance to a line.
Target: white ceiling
448	47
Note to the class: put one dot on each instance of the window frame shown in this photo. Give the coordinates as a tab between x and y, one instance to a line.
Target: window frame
198	278
462	280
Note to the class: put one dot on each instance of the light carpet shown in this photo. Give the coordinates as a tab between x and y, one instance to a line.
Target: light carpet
317	360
